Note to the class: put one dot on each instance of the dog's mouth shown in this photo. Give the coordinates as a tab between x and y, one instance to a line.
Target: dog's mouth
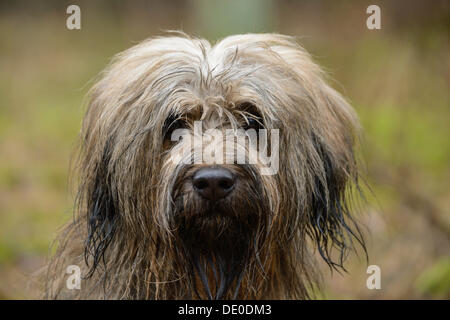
212	223
207	210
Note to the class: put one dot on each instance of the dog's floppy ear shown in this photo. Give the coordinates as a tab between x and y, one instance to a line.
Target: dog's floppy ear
102	214
331	223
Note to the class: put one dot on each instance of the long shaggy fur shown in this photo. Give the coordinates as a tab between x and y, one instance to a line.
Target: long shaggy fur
141	232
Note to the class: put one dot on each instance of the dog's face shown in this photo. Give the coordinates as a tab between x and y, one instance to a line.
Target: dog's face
222	160
218	192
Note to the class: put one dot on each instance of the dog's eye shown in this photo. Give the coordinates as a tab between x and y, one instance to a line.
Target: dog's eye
172	123
253	123
252	117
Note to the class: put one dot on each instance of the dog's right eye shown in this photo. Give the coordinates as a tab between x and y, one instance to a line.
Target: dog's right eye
171	124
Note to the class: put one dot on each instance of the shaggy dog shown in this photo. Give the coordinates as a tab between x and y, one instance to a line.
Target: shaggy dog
160	217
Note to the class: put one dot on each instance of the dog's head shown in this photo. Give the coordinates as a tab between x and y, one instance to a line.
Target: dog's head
216	164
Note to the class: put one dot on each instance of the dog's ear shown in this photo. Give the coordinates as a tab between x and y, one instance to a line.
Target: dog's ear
331	224
102	214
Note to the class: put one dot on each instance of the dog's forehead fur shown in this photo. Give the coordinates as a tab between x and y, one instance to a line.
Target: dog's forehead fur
178	74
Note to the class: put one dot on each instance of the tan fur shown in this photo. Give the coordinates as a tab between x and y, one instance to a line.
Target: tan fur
180	75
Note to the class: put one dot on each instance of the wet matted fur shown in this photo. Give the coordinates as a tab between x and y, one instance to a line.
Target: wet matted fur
141	231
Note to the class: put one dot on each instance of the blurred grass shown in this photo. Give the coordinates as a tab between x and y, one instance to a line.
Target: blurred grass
434	281
398	82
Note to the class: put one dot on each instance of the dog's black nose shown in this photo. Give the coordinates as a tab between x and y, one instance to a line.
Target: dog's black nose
213	183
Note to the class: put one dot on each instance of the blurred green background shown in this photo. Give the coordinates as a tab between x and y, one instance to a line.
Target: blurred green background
397	78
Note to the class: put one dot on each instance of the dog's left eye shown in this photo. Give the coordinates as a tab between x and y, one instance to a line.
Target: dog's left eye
252	116
171	124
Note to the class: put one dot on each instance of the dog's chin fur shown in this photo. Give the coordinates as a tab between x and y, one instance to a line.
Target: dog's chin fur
142	232
216	249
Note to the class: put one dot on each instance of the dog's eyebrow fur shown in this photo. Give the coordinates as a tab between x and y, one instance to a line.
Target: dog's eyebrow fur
133	211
